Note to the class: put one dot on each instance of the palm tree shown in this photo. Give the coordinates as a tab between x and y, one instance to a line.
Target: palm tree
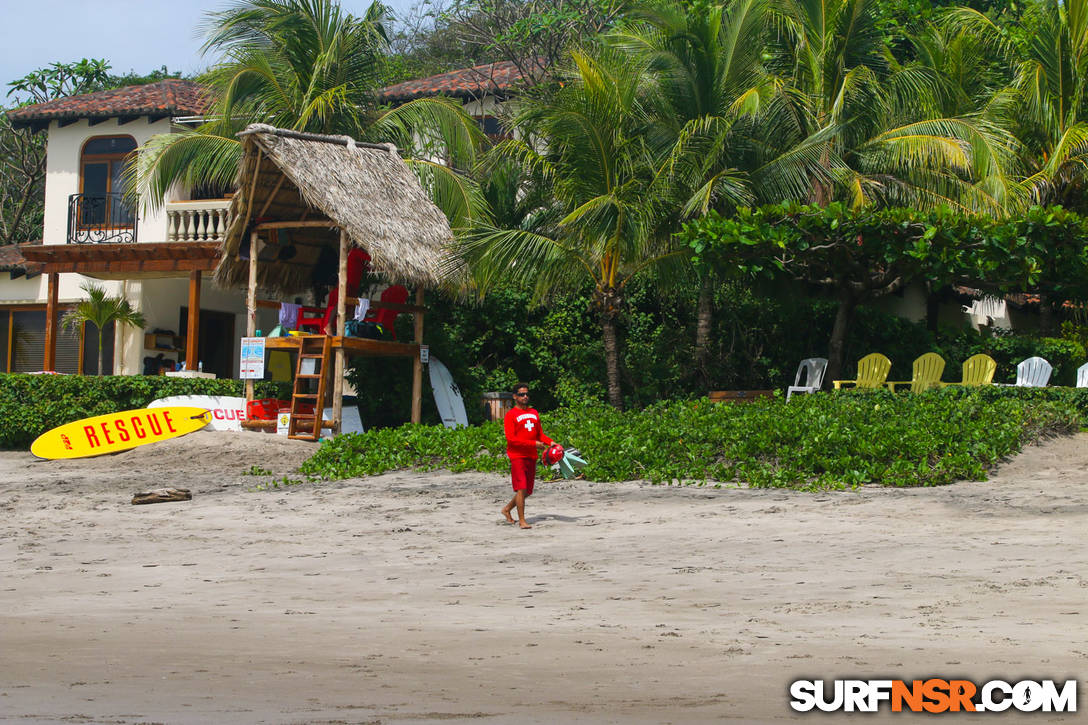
586	143
868	131
705	92
100	310
1045	107
308	66
1051	115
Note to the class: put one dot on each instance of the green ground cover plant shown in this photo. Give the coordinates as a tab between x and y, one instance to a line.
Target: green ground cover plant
825	441
33	404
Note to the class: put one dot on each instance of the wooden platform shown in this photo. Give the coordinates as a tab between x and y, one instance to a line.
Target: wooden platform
270	425
351	345
738	396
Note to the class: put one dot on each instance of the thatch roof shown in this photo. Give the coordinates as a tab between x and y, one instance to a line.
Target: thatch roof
365	189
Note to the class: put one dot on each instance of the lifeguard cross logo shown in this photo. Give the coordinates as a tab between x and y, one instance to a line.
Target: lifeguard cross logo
933	695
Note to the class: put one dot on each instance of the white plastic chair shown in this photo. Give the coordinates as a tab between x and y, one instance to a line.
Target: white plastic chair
1082	376
813	369
1033	373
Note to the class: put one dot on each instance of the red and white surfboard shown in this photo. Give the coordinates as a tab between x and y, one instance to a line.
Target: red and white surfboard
227	412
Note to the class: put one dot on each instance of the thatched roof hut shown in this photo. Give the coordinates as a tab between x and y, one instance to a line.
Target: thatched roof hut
366	190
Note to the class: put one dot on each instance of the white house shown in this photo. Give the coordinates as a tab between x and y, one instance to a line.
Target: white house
481	89
155	259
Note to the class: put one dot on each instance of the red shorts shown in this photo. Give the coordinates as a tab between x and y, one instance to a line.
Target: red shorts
523	474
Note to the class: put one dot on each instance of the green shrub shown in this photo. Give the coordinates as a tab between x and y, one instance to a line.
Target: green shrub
816	442
757	339
33	404
1008	349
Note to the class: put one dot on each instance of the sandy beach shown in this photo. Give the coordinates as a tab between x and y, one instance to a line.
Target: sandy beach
404	598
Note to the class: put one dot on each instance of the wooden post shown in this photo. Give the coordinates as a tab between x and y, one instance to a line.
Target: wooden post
417	366
192	336
50	362
341	326
251	300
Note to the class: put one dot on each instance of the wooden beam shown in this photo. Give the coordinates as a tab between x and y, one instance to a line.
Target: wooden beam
313	223
341	311
153	265
252	191
417	365
268	201
50	362
251	299
192	336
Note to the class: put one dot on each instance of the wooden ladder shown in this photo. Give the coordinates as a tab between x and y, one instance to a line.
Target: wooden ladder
307	426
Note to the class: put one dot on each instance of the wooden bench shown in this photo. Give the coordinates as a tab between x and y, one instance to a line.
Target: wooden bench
738	396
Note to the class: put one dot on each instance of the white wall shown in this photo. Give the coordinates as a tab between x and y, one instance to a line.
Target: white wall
486	106
36	290
62	173
160	300
911	305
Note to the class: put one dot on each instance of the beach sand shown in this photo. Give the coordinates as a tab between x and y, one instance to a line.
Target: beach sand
404	598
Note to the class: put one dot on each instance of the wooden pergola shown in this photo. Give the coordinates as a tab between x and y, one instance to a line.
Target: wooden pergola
119	262
299	195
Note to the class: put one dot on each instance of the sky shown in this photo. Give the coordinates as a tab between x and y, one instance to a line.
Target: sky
133	35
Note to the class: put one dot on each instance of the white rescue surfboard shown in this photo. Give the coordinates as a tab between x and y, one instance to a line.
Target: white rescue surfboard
447	396
227	412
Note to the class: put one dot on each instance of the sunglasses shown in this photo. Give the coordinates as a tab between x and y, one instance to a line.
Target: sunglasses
521	395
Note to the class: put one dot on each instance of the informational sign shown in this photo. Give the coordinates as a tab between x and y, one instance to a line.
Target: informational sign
283	423
424	354
251	366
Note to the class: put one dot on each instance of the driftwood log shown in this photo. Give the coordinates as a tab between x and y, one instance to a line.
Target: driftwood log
162	495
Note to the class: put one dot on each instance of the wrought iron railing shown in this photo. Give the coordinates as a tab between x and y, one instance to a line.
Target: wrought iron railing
101	219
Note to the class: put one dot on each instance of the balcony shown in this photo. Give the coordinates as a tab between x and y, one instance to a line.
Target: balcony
202	220
101	219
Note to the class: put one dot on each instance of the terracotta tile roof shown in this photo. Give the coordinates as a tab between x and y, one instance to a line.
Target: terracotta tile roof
481	80
12	260
170	97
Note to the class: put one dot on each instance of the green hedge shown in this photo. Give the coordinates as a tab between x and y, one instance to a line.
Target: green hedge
33	404
815	442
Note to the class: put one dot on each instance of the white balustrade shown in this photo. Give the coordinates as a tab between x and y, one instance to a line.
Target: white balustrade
202	220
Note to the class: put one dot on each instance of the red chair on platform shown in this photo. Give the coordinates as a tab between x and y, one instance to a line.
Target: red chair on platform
395	294
358	263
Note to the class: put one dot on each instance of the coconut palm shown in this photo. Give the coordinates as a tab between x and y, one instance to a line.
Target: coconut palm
100	310
705	92
970	64
308	66
871	131
1052	114
874	127
586	143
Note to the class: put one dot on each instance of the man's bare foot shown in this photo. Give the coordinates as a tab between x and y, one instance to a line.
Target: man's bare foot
509	518
525	525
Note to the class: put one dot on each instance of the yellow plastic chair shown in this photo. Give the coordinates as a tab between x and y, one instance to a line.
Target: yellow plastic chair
872	372
978	370
926	374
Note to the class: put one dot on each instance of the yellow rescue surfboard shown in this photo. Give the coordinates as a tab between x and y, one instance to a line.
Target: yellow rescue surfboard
118	431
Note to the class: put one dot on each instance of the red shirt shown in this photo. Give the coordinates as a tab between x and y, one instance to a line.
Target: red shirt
522	429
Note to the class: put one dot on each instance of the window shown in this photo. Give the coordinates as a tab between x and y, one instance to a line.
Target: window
101	168
22	343
493	128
